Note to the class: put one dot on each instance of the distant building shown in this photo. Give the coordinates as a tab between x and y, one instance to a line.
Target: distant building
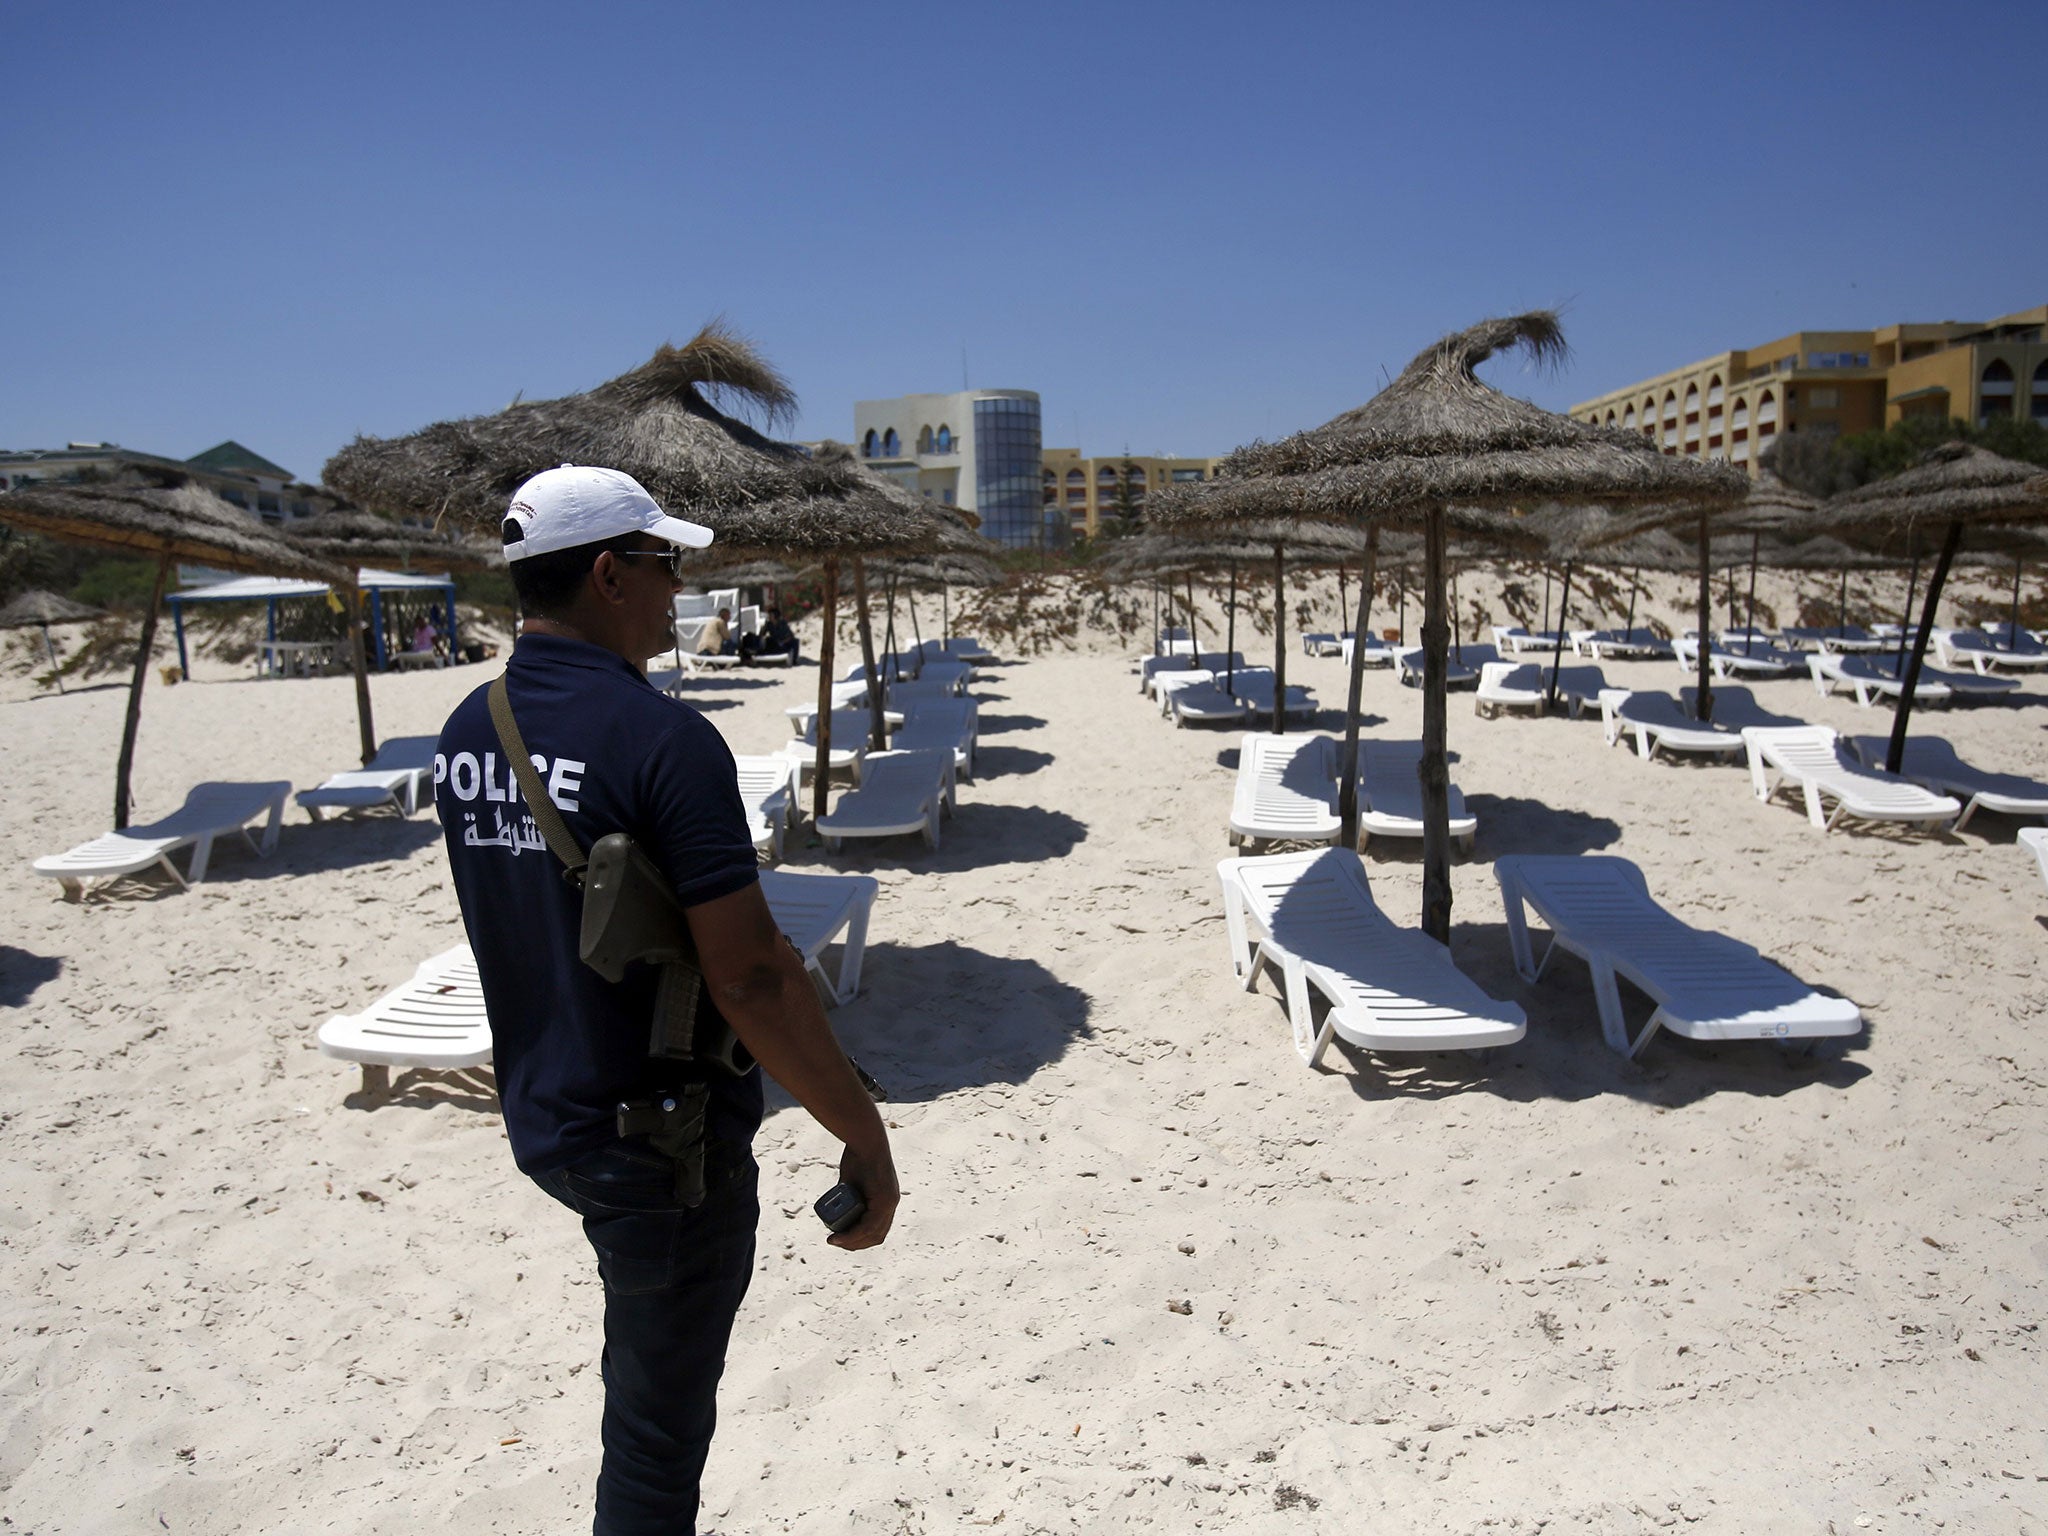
977	450
236	474
1731	405
1086	491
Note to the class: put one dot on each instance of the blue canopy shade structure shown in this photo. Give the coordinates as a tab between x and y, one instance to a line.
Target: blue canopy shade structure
273	590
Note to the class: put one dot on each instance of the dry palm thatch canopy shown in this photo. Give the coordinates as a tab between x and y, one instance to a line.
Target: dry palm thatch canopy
179	522
354	539
1953	486
657	423
37	607
174	522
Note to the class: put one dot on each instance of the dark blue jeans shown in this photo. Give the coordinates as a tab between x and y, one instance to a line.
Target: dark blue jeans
673	1278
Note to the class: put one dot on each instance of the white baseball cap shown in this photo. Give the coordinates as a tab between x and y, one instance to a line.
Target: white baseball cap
582	504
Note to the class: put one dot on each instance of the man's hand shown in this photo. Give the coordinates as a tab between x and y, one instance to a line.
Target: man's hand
875	1178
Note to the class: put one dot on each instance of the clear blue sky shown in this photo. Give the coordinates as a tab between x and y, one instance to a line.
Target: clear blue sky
1184	225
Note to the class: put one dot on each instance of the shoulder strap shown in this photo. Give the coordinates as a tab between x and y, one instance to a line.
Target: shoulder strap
561	842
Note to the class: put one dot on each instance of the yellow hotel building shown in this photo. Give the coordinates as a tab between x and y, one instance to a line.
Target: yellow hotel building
1731	405
1086	489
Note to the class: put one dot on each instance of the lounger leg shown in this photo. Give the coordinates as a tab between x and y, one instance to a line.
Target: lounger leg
1301	1012
1969	810
1233	926
1518	935
1608	996
271	828
1814	813
1649	1029
853	950
1644	745
1322	1041
202	851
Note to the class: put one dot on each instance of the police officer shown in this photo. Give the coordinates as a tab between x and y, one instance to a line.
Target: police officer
593	561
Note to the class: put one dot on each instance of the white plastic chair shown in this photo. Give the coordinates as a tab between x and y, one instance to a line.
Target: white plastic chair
211	810
396	776
1286	789
1704	985
1311	917
1812	758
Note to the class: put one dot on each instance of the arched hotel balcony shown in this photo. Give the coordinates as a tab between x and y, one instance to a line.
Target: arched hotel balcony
1995	388
2037	407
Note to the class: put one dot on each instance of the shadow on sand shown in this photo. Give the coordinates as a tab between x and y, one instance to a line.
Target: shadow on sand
1510	824
473	1088
341	843
22	971
937	1018
989	725
977	836
994	760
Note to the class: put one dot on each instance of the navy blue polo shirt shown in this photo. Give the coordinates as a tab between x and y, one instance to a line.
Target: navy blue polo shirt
615	755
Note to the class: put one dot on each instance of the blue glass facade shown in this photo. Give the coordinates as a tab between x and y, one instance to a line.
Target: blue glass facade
1008	448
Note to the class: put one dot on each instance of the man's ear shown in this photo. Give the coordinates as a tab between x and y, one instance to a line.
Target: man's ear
604	577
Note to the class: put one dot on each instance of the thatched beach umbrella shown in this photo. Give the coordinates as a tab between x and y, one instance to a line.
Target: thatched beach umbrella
1434	442
353	539
44	609
1954	486
762	499
181	521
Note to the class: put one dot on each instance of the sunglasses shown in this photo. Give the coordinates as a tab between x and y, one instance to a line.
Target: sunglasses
672	557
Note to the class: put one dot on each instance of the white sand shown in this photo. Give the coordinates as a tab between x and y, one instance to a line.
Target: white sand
1720	1290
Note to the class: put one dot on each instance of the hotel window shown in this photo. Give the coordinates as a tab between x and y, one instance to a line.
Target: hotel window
1994	392
1767	409
924	439
1692	399
1713	392
1670	406
942	440
868	444
1739	453
2038	406
1185	476
1628	417
1739	417
891	444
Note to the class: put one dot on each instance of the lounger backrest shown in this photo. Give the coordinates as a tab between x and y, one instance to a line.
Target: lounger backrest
1802	749
212	806
404	753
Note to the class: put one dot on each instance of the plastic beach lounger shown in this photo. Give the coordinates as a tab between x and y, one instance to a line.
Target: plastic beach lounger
435	1021
1286	790
402	768
813	910
1761	661
1461	665
948	725
900	793
1981	653
2035	839
1656	722
766	792
1254	690
1621	645
1509	685
1165	684
1933	762
1705	986
1390	794
1311	917
211	810
1204	703
849	749
1377	653
1812	759
1513	640
1869	681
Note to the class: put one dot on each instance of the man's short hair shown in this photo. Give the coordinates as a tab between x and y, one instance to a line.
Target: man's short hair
547	584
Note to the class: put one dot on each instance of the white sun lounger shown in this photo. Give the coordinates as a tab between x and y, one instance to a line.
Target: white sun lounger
1734	706
950	725
1311	916
1509	685
1390	794
801	716
2036	840
1286	789
1764	661
1254	690
1204	703
1812	758
1166	684
435	1021
767	792
849	749
900	793
1846	638
1377	652
2003	631
1932	761
1705	985
813	910
401	770
920	691
211	810
1655	721
1869	681
962	649
1620	644
1323	644
1461	664
1515	640
1978	651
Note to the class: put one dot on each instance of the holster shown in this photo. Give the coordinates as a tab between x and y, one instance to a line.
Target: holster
672	1124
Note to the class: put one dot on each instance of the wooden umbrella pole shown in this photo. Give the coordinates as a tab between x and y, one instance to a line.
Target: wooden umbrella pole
1343	604
1842	608
50	650
1564	603
1229	635
1156	640
359	664
1635	581
1194	637
1749	618
1546	599
878	730
889	616
1895	756
2012	637
1703	706
1433	769
1347	789
827	645
1457	620
910	607
1279	638
126	761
